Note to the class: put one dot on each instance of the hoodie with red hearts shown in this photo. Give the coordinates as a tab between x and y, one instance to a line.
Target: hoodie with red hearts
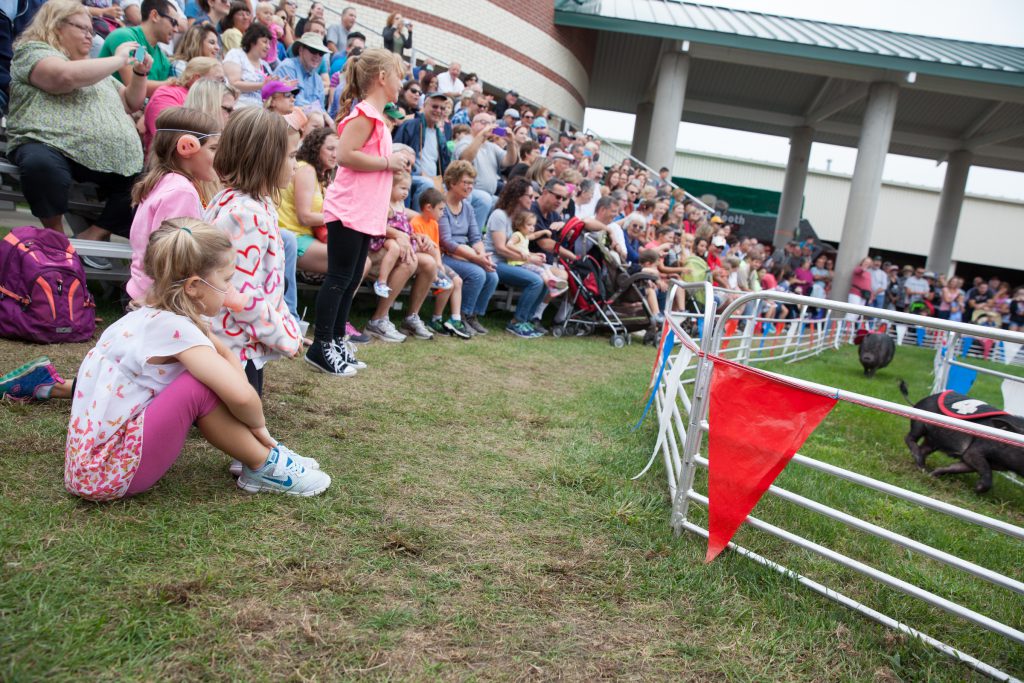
264	329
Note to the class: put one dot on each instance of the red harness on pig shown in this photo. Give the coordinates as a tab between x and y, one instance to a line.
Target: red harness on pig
966	408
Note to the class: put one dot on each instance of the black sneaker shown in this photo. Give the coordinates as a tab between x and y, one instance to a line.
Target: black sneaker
474	324
326	357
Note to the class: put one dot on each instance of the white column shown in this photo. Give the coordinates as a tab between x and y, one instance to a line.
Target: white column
669	95
875	134
940	255
642	130
793	186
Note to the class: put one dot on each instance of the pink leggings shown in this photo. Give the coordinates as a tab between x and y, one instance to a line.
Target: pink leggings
165	427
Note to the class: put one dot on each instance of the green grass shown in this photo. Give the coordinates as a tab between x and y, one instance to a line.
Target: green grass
481	525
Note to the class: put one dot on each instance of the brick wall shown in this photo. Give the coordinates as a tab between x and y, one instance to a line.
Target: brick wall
516	48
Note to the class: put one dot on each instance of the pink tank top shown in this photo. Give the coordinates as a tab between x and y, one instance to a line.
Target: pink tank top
360	199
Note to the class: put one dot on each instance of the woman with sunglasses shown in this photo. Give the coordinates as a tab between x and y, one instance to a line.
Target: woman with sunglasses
409	99
69	120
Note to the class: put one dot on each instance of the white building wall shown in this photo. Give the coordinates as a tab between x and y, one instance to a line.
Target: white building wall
488	63
991	230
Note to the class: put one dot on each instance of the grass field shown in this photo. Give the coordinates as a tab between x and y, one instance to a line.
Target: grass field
481	525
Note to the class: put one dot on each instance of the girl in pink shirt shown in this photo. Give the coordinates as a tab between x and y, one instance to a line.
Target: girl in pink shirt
356	203
181	159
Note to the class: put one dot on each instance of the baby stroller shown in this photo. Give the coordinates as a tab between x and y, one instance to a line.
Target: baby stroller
602	293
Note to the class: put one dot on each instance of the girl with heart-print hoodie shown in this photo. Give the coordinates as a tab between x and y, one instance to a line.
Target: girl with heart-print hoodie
255	160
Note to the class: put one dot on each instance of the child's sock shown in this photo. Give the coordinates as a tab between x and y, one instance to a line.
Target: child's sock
456	316
540	310
436	318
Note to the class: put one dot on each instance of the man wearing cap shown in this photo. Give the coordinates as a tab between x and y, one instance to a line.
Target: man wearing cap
305	70
510	118
428	135
510	101
561	161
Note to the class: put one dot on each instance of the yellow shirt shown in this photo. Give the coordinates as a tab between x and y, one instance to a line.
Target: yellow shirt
286	216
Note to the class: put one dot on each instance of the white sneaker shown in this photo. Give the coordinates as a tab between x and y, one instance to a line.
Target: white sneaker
235	468
384	330
283	474
414	326
348	353
381	289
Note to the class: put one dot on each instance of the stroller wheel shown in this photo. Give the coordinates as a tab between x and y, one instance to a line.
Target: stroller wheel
557	331
618	341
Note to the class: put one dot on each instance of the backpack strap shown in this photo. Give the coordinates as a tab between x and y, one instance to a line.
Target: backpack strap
23	300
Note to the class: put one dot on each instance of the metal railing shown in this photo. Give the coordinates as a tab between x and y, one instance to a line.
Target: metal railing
682	425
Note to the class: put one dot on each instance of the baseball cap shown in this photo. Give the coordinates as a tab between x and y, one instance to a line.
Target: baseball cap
717	219
271	88
562	155
511	112
514	93
718	240
297	119
391	109
928	274
540	122
436	96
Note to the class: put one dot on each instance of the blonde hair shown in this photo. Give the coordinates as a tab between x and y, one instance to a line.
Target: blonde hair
362	71
207	95
521	218
196	68
177	250
48	19
191	44
252	149
456	170
171	125
400	176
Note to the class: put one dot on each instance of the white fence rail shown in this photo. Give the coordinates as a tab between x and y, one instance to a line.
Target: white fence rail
682	399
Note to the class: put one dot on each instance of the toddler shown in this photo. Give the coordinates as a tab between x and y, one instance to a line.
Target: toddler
523	233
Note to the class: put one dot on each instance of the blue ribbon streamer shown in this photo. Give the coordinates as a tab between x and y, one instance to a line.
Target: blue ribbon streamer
665	353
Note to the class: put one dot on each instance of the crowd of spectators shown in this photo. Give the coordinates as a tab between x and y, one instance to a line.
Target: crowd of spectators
88	81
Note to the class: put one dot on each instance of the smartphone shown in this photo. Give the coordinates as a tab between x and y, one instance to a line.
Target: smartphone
140	54
500	132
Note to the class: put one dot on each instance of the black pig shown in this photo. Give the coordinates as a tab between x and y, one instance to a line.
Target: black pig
876	351
977	453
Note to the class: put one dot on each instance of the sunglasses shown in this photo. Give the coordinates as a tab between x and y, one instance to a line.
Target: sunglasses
415	91
561	197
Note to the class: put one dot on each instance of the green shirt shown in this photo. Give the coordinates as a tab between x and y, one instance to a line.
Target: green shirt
161	70
88	125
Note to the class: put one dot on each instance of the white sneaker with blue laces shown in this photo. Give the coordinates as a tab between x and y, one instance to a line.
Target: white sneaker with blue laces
283	474
309	463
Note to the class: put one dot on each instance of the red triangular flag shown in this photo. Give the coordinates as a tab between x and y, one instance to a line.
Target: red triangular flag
756	426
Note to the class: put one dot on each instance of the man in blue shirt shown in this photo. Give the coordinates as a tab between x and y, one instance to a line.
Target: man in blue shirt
305	71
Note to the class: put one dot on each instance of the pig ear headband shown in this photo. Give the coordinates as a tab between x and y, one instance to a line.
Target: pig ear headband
188	145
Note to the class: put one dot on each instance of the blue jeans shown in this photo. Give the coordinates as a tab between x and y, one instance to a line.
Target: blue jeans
419	185
291	287
477	285
531	284
482	203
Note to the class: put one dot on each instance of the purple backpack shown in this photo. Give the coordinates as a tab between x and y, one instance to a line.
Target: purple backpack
43	297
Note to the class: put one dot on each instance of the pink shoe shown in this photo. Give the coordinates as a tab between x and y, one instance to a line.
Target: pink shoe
354	335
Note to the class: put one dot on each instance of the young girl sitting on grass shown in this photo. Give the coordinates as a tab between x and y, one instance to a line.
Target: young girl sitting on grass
255	161
180	164
158	370
523	233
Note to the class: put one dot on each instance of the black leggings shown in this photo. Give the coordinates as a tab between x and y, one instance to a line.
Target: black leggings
346	257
